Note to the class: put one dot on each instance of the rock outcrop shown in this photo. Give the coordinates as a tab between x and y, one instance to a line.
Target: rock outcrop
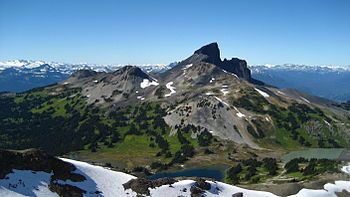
211	54
36	160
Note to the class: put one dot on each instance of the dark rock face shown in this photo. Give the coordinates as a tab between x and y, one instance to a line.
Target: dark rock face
141	185
196	192
36	160
239	194
66	190
237	66
83	74
199	187
211	54
201	183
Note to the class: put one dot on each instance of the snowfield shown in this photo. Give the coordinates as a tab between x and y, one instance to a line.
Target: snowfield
182	188
146	83
26	183
171	88
98	178
109	183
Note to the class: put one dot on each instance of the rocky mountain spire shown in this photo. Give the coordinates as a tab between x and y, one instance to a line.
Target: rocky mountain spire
212	53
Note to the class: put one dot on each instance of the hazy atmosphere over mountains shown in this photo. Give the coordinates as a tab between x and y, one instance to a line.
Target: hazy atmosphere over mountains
174	98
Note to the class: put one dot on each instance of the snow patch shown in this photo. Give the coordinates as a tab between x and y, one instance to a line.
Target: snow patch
239	114
140	98
230	73
171	88
346	169
327	123
146	83
212	80
224	89
304	99
220	100
186	67
262	93
282	93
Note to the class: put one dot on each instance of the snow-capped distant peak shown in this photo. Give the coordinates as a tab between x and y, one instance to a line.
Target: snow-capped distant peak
21	63
298	67
64	68
269	65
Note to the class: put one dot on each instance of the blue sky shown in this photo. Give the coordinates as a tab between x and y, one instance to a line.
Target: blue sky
164	31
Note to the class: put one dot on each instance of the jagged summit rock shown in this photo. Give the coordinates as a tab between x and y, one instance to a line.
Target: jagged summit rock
238	67
211	54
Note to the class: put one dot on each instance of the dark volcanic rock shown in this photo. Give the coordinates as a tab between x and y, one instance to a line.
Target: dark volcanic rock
201	183
211	54
239	194
199	187
141	185
196	192
36	160
67	190
237	66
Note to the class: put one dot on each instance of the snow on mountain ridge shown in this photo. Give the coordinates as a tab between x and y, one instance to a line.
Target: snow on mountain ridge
27	65
299	67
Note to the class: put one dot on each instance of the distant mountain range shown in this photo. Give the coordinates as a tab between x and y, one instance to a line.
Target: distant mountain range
331	82
23	75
